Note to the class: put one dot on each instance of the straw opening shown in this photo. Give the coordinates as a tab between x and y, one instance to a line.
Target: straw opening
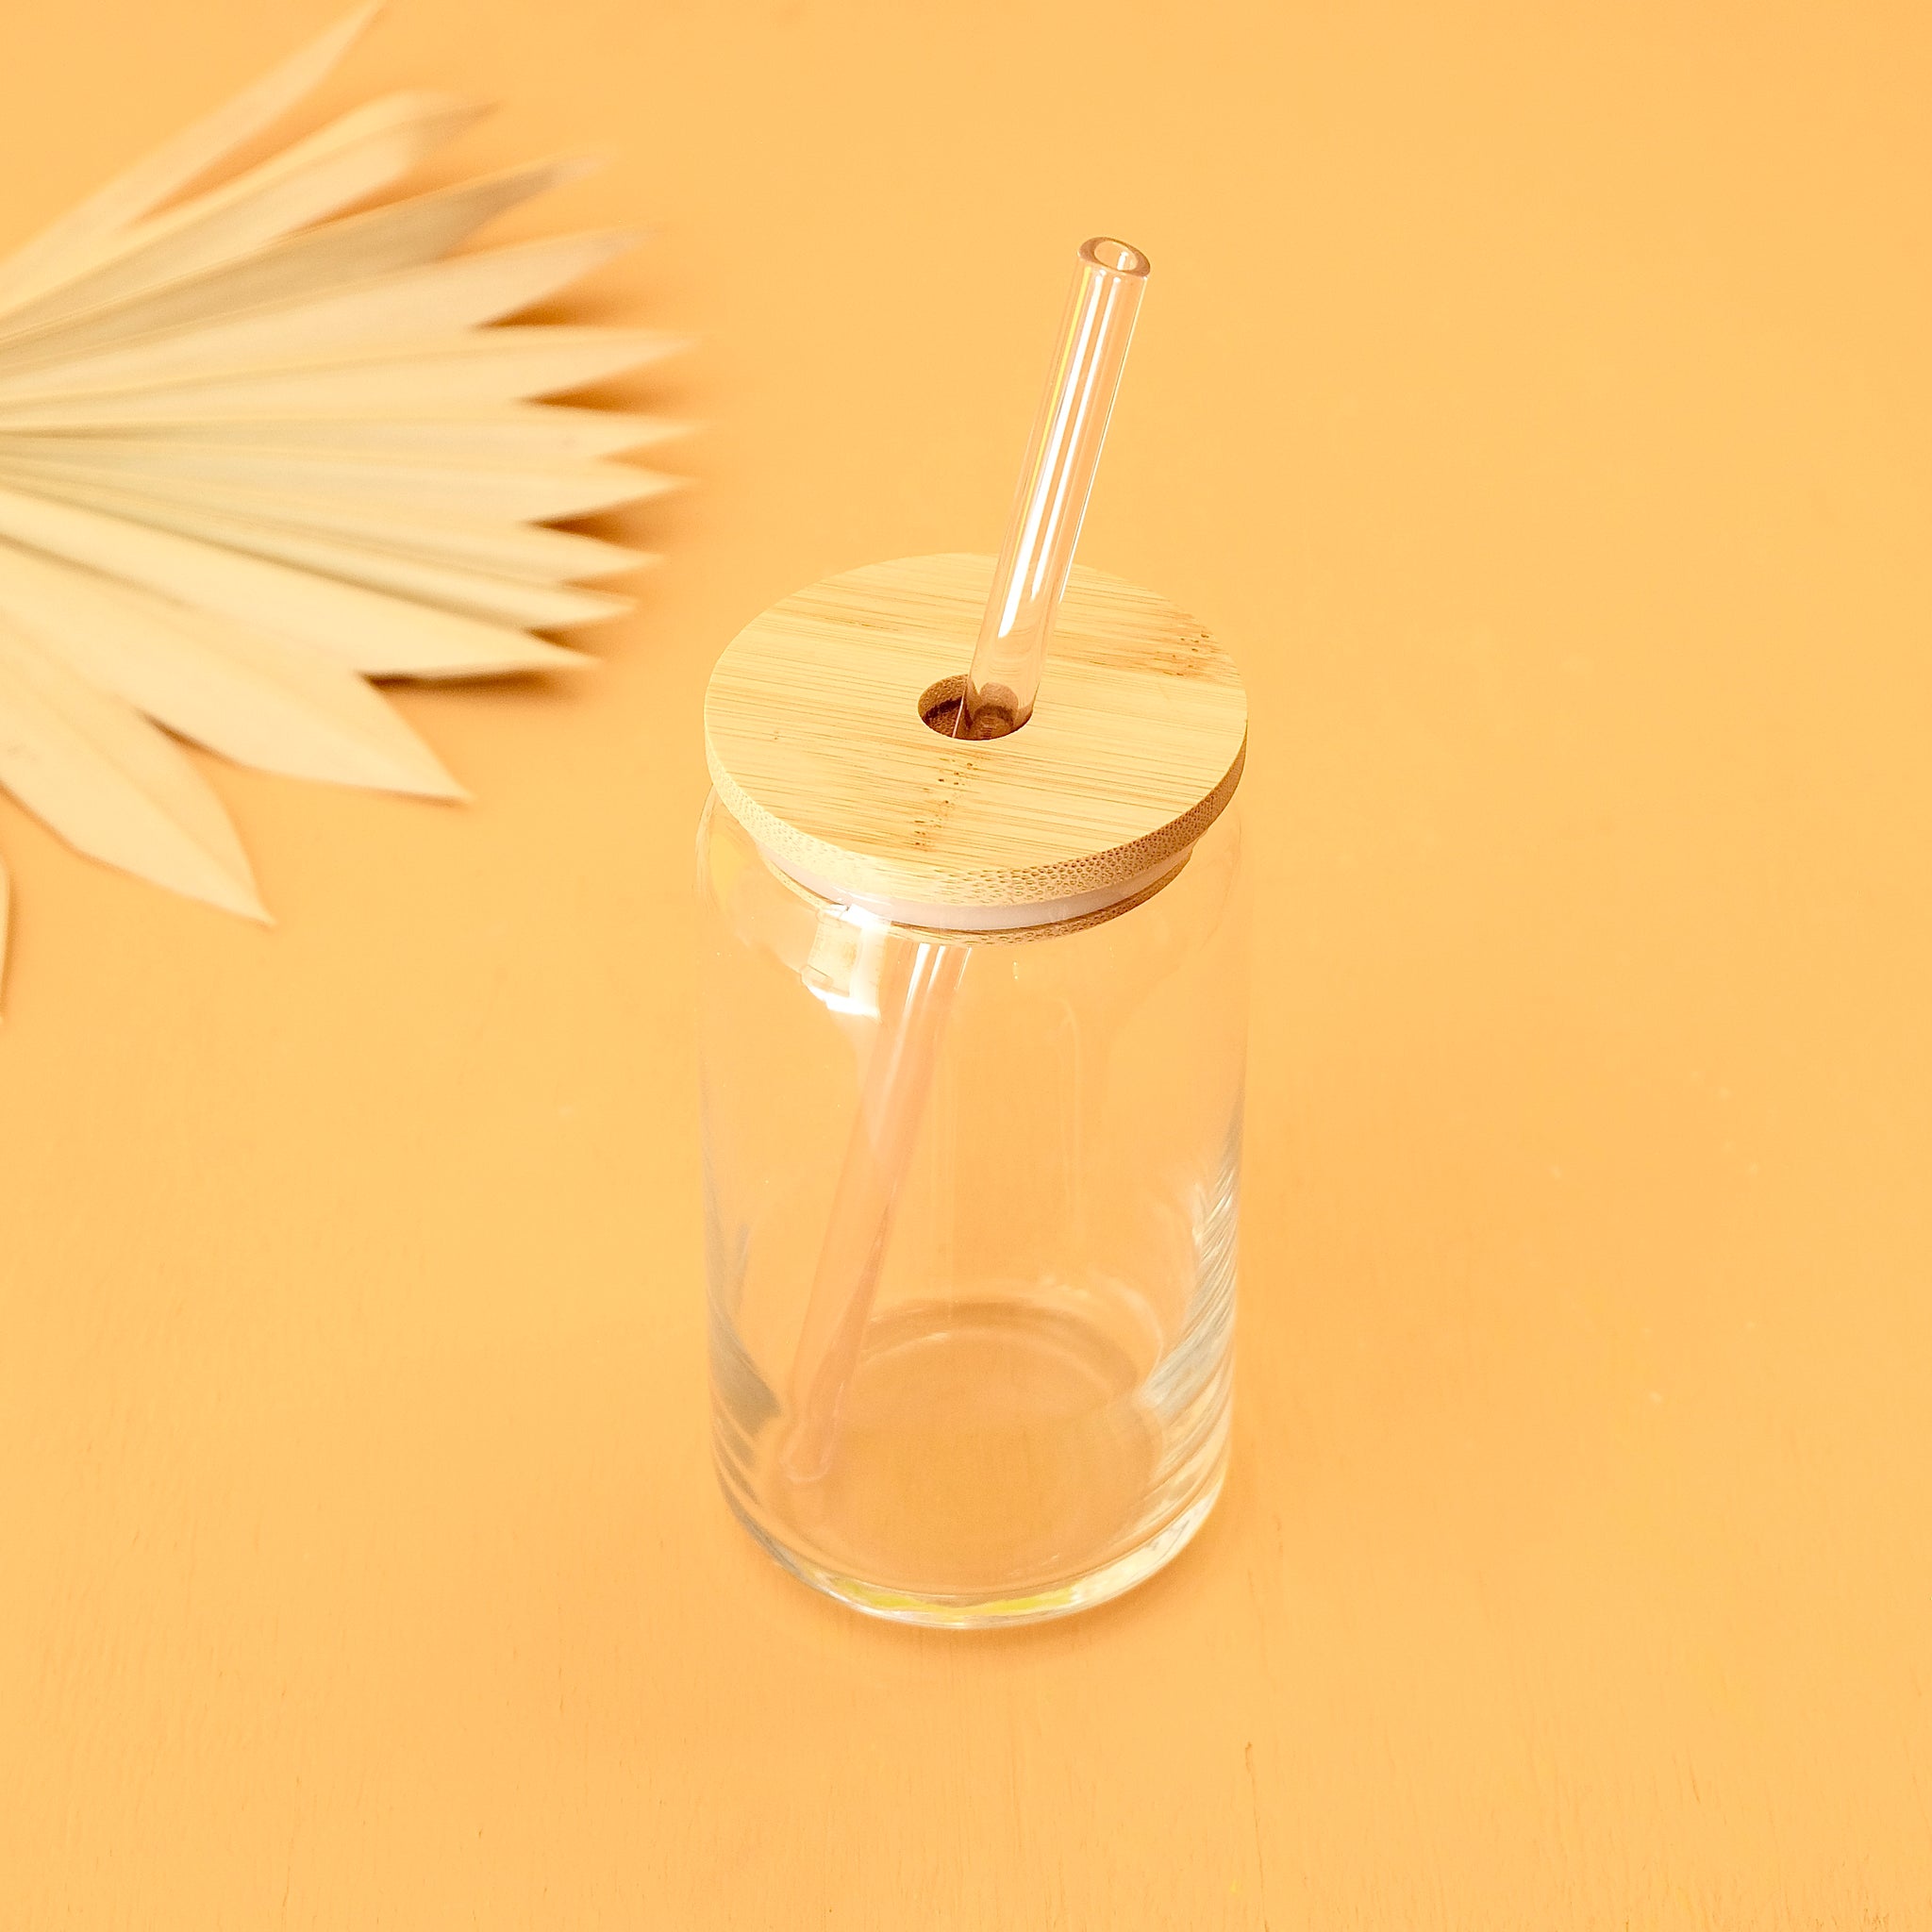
1116	258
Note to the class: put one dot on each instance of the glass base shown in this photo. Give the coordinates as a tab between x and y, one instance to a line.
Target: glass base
968	1612
998	1460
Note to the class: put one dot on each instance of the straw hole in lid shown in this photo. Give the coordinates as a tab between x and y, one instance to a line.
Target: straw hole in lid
939	707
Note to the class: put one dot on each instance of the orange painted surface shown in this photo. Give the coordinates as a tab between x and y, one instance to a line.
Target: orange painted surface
1537	402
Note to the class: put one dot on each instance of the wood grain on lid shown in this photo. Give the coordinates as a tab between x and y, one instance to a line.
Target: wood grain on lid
816	744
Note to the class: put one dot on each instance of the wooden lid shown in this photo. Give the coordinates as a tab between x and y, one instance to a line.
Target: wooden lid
816	744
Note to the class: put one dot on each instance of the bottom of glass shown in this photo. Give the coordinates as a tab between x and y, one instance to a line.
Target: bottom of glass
990	1612
997	1460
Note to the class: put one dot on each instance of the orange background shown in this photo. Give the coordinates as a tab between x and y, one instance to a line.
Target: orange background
1537	402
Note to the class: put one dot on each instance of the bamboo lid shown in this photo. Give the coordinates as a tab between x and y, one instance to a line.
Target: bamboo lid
816	744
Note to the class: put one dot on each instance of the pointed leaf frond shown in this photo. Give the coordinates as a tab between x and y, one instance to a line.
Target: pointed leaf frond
265	438
112	785
488	365
240	691
177	162
380	242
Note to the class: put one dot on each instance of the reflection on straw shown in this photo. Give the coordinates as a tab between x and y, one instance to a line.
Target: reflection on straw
915	996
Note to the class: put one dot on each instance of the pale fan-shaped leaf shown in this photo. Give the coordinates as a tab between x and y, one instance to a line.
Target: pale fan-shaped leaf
260	442
344	485
464	292
177	162
358	248
380	242
496	599
530	553
366	150
529	432
370	632
490	365
252	697
112	785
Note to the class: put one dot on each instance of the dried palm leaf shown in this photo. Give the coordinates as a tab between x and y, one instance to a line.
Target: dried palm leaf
260	443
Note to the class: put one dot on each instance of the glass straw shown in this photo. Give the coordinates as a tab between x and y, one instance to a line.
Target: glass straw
920	976
1055	481
916	989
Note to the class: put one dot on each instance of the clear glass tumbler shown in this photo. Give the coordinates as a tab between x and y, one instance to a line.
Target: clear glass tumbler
1029	1412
